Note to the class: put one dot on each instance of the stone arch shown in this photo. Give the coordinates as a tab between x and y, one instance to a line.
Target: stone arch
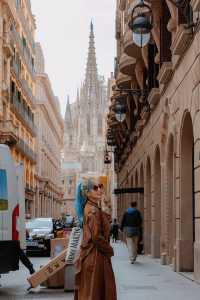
170	202
148	208
185	243
156	205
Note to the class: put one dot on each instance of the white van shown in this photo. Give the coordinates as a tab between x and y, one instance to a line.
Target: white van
12	211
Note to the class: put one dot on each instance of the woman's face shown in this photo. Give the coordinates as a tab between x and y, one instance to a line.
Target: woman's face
95	194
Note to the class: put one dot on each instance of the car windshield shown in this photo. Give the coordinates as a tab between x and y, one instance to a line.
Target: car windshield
39	223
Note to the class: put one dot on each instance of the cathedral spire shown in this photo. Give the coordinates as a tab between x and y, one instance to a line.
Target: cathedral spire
78	96
68	115
91	69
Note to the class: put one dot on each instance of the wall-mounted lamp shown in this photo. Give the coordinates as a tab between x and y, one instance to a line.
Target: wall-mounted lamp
141	23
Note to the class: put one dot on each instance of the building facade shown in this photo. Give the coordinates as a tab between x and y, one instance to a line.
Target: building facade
17	89
49	144
157	146
84	137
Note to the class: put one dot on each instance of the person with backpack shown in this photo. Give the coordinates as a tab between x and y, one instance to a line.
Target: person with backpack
131	226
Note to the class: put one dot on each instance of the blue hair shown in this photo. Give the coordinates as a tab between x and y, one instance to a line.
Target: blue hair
80	203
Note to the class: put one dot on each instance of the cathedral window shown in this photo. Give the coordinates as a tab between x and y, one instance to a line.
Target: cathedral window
88	125
100	125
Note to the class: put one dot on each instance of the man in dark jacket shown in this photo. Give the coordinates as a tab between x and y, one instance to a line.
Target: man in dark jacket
131	225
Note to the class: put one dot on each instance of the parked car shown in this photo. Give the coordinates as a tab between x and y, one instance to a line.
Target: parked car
39	234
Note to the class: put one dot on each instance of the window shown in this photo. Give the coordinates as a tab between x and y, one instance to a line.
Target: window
18	3
88	125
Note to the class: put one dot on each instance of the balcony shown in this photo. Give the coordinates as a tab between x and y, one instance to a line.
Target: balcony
29	34
16	40
181	40
8	133
30	189
26	150
22	114
123	81
127	64
154	97
130	48
28	91
23	83
165	72
8	49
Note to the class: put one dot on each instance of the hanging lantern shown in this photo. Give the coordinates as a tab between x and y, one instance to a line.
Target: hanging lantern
110	138
141	23
120	109
107	158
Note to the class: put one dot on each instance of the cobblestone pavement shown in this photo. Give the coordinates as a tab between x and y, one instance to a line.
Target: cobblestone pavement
146	279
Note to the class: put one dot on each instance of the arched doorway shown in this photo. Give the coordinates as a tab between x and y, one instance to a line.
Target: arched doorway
156	207
147	225
170	205
187	223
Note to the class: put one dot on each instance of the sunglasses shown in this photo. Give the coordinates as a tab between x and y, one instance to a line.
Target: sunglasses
96	187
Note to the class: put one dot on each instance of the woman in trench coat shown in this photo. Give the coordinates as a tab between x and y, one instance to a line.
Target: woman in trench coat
94	274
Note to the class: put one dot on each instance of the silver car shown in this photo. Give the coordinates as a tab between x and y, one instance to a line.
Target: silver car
39	234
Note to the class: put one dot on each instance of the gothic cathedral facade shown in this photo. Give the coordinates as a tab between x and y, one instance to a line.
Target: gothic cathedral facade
85	119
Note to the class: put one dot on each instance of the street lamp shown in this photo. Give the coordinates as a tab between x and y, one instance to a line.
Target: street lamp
110	138
107	158
120	108
111	141
141	23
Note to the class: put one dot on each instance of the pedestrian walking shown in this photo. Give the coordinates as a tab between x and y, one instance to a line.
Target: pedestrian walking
94	274
114	231
26	261
131	226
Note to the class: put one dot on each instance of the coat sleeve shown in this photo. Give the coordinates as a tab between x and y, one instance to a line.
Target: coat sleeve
94	224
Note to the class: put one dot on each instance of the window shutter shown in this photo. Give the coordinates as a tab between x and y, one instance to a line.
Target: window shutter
152	67
165	35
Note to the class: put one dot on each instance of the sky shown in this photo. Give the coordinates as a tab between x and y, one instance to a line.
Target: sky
63	30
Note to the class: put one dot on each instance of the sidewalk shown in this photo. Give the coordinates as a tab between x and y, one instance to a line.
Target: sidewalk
148	280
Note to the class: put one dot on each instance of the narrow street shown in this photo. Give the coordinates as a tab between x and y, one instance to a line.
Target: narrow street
146	279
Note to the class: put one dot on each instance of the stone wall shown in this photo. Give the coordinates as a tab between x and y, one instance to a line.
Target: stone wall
166	161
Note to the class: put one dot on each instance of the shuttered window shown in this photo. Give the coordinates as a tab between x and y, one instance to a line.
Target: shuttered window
165	35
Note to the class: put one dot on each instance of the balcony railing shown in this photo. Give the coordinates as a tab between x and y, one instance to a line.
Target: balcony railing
8	132
7	45
18	107
15	38
28	90
25	26
26	150
15	67
30	189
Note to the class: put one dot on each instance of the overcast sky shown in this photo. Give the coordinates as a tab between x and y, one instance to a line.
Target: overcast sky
63	30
